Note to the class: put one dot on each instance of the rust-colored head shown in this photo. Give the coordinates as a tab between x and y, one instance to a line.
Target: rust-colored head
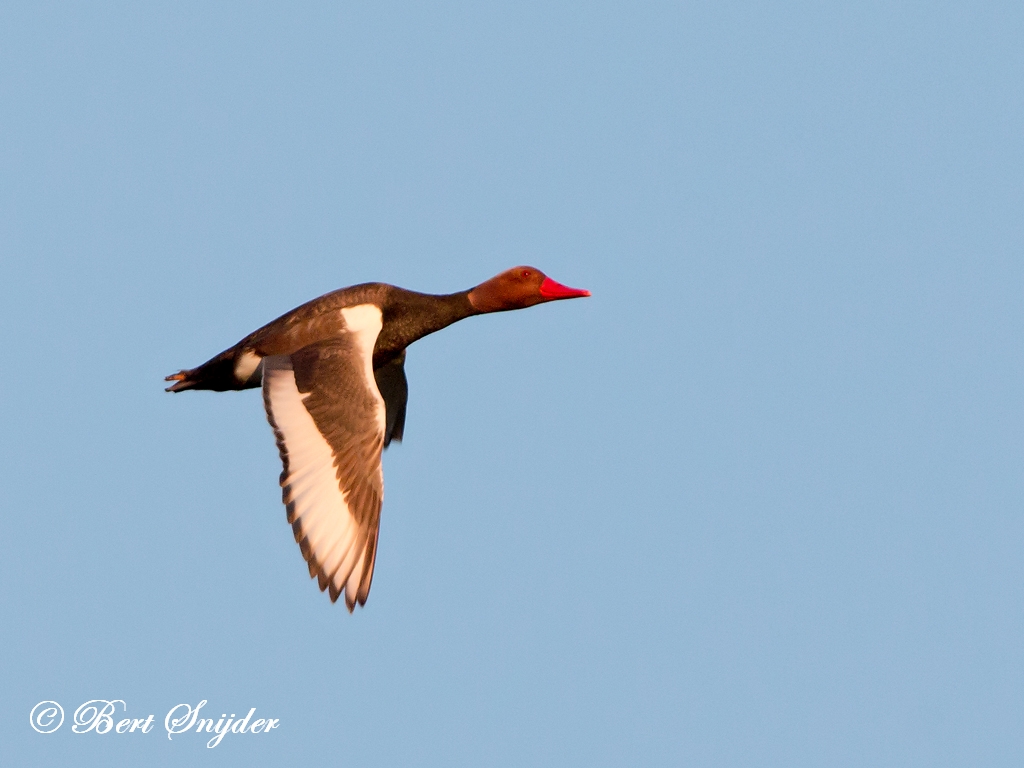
517	288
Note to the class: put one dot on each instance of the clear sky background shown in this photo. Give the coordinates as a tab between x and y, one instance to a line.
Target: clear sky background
756	502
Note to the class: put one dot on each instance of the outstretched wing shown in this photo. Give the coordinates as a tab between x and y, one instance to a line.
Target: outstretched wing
329	421
395	391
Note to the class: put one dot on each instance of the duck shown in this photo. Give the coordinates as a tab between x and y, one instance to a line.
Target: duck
332	373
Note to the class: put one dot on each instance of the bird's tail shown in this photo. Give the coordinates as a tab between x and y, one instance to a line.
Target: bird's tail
217	374
182	381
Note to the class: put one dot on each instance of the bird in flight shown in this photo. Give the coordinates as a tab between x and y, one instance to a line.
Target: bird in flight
334	389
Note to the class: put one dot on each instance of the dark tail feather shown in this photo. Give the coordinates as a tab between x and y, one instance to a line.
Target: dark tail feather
182	381
217	374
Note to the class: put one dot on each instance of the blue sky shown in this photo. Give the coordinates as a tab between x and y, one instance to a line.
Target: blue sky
756	502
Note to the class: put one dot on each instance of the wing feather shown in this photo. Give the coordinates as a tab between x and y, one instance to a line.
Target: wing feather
329	421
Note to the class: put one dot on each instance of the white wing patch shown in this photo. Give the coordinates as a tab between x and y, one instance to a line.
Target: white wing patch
364	321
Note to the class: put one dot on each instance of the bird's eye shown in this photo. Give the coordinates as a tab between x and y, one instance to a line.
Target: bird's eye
526	273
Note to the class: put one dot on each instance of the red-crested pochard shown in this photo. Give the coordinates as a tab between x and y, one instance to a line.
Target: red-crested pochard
334	390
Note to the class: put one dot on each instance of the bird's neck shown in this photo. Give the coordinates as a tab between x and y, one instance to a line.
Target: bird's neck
409	316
